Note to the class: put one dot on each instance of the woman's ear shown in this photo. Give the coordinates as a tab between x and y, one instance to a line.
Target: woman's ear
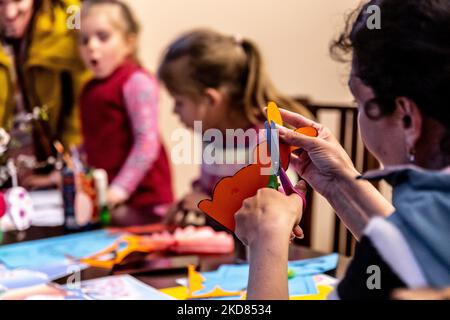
412	121
214	97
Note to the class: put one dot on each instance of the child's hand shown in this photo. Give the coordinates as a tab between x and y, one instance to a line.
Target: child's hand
116	196
271	216
185	211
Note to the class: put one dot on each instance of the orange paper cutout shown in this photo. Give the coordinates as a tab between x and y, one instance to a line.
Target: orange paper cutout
230	192
133	244
195	280
273	114
216	293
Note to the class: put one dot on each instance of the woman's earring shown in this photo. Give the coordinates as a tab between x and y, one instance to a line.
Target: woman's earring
412	156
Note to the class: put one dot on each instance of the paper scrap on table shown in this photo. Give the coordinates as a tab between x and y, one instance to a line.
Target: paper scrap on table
325	280
13	279
21	278
323	292
123	287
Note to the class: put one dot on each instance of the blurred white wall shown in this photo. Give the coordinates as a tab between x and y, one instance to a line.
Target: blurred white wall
293	35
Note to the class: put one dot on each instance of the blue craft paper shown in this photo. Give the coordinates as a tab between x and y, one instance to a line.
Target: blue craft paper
56	271
13	279
302	285
52	251
235	277
314	266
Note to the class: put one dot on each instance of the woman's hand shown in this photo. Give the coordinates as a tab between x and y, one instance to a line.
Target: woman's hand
325	165
264	223
116	196
325	160
270	215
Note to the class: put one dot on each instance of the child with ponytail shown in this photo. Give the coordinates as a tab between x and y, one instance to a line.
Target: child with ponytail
221	81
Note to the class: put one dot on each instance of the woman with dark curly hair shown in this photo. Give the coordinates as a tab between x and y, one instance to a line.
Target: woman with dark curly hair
400	79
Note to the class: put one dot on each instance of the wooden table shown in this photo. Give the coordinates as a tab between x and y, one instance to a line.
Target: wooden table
165	279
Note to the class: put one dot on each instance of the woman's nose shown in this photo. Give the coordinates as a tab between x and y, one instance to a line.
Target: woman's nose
11	11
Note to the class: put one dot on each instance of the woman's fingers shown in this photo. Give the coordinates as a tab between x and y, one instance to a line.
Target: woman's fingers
301	186
296	139
300	163
298	120
301	189
298	232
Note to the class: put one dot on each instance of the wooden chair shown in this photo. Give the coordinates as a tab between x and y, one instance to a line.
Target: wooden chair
344	242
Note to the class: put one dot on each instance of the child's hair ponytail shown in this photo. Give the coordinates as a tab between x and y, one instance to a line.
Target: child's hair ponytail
254	91
259	89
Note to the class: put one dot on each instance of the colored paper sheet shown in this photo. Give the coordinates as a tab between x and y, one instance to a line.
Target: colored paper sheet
300	268
324	285
53	251
21	278
122	287
234	278
323	292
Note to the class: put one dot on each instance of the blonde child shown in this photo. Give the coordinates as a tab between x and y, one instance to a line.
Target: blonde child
119	110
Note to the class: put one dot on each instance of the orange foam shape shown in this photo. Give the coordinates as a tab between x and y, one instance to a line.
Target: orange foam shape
217	292
195	280
273	114
230	192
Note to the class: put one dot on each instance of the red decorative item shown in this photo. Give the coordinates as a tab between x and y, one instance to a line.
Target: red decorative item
2	205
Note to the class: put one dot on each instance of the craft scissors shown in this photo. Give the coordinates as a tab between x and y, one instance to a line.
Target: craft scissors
273	144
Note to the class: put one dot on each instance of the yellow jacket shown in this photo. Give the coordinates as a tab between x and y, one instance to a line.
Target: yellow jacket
52	54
